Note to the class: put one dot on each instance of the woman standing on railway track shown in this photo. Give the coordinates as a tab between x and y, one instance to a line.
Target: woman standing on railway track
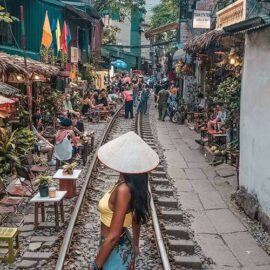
126	204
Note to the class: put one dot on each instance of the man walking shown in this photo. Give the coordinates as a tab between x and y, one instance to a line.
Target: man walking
144	99
163	96
157	88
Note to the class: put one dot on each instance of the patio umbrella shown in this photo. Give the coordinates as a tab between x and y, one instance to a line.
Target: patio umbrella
119	64
6	104
4	100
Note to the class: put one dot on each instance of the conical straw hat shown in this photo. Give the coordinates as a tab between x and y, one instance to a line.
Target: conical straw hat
128	154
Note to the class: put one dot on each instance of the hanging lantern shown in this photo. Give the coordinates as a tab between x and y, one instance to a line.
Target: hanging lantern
16	78
38	78
232	61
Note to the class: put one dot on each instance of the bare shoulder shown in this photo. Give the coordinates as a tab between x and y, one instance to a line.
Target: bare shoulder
123	189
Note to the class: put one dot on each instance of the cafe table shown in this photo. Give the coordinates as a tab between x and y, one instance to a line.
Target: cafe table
57	201
67	182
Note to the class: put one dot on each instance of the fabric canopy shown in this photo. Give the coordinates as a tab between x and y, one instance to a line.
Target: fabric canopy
119	64
4	100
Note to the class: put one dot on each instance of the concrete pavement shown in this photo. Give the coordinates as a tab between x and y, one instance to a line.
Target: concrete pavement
204	191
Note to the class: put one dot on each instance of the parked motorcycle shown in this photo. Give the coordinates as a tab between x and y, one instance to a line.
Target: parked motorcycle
177	113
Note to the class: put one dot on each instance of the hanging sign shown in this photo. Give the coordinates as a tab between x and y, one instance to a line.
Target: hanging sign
202	19
205	5
185	32
74	56
234	13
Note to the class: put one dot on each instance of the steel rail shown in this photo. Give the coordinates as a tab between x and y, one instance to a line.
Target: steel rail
69	232
159	239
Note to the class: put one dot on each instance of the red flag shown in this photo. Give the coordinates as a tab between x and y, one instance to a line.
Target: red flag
64	34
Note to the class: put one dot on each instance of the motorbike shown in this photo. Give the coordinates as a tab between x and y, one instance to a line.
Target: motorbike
177	113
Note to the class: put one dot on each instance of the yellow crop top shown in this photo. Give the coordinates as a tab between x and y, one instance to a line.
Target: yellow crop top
106	213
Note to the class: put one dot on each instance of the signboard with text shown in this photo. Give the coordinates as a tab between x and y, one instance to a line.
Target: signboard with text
205	5
185	32
202	19
74	56
234	13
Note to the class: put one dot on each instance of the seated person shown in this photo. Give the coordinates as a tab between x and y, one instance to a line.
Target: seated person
65	140
201	106
78	126
95	97
88	103
68	105
42	144
103	98
221	116
218	116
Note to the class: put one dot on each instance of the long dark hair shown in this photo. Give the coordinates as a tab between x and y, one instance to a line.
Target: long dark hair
140	196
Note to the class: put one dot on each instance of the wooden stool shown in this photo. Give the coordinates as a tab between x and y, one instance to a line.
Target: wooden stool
9	235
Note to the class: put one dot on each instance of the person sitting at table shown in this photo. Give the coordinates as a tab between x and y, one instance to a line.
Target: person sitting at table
64	140
201	105
88	103
78	126
68	105
221	116
95	97
42	145
103	98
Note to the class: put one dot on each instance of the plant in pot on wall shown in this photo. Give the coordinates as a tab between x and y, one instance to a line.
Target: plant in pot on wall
43	182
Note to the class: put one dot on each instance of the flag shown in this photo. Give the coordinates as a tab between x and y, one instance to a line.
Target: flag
47	33
69	35
53	28
58	35
64	35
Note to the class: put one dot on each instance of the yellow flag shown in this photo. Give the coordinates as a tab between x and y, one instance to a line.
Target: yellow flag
47	37
58	34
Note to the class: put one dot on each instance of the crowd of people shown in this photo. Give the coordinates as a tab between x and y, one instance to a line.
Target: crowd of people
63	144
134	92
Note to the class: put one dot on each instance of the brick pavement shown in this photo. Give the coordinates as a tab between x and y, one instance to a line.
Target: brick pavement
205	194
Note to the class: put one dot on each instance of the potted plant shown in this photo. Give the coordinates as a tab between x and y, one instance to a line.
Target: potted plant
69	168
43	183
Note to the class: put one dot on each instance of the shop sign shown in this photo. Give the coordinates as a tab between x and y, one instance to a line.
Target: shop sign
185	32
202	19
205	5
74	56
234	13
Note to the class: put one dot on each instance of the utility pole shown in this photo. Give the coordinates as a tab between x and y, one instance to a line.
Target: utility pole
179	24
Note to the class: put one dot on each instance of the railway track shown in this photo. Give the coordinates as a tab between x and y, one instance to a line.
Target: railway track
163	238
81	239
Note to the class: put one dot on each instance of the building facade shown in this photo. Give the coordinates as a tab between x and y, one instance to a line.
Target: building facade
83	20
